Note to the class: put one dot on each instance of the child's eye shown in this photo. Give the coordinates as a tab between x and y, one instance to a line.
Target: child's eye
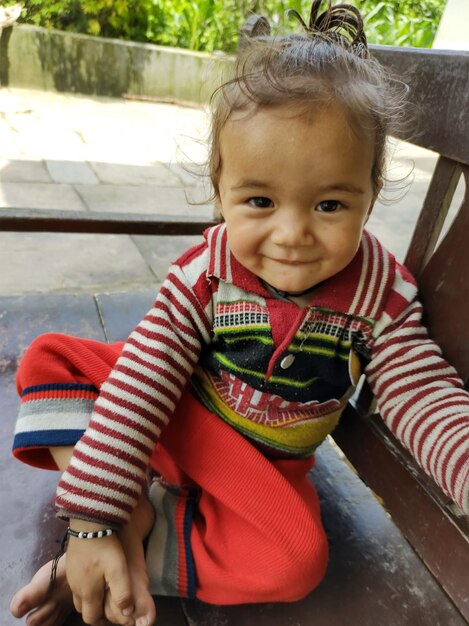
260	202
328	206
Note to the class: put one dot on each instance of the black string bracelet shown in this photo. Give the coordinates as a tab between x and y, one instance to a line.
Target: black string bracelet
97	534
55	562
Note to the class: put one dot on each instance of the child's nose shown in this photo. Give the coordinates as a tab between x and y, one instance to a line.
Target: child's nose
293	229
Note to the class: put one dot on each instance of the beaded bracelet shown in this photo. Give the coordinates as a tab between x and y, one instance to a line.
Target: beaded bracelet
97	534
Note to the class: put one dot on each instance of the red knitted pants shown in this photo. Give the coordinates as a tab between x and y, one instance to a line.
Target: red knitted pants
232	526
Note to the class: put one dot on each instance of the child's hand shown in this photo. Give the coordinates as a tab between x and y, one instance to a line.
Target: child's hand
97	570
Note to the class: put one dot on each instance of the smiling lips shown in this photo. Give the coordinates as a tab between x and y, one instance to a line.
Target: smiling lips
291	262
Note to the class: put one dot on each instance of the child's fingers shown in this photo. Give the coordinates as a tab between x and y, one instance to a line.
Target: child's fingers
144	614
92	608
111	611
145	621
76	603
114	614
121	596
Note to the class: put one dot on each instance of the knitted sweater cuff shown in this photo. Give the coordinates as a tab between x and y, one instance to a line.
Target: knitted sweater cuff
67	515
50	418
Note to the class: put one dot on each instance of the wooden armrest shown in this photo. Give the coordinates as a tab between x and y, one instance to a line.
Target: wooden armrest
431	523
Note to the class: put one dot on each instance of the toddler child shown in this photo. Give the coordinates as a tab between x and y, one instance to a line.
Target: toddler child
244	364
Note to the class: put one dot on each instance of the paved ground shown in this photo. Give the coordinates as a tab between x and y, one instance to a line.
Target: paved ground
98	154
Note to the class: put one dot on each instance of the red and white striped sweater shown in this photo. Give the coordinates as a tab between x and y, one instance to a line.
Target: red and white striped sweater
367	316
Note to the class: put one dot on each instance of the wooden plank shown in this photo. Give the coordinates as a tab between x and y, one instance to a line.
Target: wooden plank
25	317
121	312
433	214
444	291
40	220
439	96
438	536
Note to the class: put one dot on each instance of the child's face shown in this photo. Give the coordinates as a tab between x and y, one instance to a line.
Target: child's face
295	192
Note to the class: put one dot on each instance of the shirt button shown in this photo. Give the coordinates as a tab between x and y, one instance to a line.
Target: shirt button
287	361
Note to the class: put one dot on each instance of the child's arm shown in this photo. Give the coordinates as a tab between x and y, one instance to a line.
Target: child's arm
103	481
422	400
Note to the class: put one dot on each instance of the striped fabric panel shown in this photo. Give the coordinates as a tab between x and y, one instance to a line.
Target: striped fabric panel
422	401
297	432
220	264
59	390
134	405
375	280
321	345
231	367
170	563
54	414
186	567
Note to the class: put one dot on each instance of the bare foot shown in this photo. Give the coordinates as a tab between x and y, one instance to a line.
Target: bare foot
44	609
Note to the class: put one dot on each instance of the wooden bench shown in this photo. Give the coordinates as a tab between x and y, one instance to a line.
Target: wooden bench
405	561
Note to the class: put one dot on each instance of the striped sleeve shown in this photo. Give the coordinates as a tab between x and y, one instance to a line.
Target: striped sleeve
105	475
420	396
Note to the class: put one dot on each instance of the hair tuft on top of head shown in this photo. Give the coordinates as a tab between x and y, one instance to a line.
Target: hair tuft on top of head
341	24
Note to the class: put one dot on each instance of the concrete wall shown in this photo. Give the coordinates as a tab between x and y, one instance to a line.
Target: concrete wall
45	59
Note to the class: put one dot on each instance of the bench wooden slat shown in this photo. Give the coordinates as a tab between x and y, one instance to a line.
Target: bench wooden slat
417	506
444	290
40	220
439	96
433	214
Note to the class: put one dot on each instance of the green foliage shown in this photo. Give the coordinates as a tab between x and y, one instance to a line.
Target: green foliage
397	23
125	19
214	24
